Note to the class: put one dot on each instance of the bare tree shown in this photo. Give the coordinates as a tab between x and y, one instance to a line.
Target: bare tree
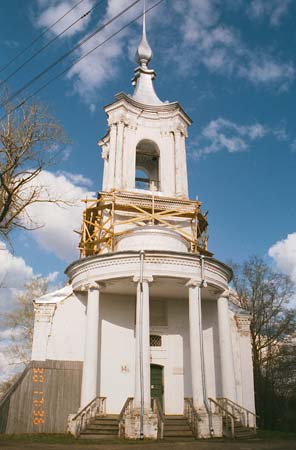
30	140
20	321
267	295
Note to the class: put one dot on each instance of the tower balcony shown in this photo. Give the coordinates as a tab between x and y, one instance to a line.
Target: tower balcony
115	215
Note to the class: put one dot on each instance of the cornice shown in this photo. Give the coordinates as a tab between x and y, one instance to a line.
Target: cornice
163	108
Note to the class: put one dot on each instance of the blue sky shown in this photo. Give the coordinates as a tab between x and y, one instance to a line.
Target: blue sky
230	63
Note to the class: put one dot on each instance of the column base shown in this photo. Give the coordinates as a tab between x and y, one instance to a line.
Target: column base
133	425
204	431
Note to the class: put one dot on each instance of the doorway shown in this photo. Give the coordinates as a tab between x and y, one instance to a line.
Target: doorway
156	377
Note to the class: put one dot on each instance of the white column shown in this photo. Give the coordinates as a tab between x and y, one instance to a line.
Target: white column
91	346
195	330
226	350
118	157
178	157
112	156
142	366
184	167
105	156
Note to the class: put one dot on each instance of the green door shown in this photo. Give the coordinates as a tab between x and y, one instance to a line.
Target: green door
156	382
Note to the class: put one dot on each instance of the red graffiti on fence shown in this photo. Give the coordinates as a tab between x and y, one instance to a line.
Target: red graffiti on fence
38	396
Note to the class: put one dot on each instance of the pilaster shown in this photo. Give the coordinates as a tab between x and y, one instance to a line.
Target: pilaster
226	349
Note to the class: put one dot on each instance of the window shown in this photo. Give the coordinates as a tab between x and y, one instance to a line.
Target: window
147	166
155	340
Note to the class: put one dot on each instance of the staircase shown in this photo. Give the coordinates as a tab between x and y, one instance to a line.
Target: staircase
240	430
101	427
177	428
238	422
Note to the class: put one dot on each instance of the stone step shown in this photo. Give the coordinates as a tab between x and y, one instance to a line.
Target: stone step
107	423
108	417
94	426
177	433
177	427
91	430
174	416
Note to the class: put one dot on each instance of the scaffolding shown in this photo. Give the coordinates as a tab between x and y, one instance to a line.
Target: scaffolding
114	214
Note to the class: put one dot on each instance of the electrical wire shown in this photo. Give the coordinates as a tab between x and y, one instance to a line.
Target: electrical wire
65	55
39	36
78	60
50	42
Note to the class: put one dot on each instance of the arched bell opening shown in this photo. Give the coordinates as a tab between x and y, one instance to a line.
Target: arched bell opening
147	166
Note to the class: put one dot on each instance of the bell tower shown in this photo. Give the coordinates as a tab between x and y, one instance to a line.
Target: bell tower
144	149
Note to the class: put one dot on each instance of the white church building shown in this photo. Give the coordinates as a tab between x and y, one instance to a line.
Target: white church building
145	340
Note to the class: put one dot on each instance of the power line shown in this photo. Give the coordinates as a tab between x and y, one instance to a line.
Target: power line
79	59
39	36
65	55
51	41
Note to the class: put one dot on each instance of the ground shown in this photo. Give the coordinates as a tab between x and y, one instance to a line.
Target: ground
62	442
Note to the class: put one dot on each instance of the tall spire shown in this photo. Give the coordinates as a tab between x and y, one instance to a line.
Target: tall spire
143	80
144	53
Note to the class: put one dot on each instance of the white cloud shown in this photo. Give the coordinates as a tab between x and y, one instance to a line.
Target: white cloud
293	145
52	13
284	254
57	221
14	271
103	63
273	10
265	70
207	39
224	134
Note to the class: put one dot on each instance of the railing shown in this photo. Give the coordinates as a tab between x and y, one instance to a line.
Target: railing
192	415
243	414
81	420
126	409
157	408
227	417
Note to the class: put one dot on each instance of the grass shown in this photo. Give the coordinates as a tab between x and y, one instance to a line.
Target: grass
274	434
266	435
66	439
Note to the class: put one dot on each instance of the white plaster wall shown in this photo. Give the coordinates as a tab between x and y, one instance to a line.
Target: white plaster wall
117	319
237	357
66	339
211	348
247	376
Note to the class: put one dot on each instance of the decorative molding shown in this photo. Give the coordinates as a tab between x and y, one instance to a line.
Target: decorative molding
148	279
92	286
243	324
121	265
44	312
194	283
225	294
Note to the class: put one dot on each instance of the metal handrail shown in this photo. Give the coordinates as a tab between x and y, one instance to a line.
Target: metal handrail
192	415
121	420
227	414
241	410
86	414
157	408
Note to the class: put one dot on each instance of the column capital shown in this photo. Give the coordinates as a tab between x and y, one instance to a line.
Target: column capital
148	279
194	283
225	294
91	286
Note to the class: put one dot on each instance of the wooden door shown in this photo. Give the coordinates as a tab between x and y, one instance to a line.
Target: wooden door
156	373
